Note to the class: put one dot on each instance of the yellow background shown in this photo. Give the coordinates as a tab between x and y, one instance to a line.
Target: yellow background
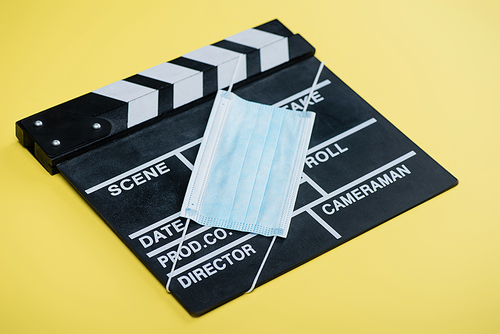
430	66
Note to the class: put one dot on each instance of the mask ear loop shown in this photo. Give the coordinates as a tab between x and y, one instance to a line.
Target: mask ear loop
233	79
315	82
262	265
167	286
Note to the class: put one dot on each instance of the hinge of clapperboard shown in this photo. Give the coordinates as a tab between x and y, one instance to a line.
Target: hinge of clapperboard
93	119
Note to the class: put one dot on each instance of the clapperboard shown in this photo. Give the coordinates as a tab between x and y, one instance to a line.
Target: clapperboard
129	148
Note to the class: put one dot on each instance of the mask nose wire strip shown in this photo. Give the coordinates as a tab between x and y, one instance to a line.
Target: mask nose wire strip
177	255
315	82
234	73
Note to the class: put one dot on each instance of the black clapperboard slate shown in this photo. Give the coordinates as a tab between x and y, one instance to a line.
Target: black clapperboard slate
129	149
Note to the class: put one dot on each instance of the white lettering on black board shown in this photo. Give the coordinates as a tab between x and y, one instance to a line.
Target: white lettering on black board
364	190
138	179
214	266
208	239
300	103
324	155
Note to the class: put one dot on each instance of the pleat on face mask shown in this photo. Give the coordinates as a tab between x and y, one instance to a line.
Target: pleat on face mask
248	169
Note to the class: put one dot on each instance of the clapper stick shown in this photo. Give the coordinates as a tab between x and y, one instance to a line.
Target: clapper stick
102	115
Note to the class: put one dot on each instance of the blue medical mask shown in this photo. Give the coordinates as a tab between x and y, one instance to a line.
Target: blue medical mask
248	169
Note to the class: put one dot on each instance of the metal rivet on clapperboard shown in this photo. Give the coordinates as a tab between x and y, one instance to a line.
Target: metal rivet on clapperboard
56	142
96	126
38	123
